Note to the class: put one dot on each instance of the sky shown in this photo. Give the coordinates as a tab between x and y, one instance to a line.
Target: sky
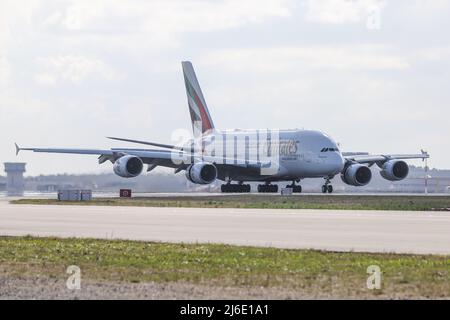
373	74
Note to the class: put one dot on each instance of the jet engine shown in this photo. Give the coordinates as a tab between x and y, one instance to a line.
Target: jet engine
356	175
128	166
394	170
201	173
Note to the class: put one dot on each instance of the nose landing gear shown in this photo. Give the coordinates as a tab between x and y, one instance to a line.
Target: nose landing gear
327	187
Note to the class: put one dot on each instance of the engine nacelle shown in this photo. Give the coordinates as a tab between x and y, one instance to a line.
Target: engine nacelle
201	173
394	170
128	166
357	175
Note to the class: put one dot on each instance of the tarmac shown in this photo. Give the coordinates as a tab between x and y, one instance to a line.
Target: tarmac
332	230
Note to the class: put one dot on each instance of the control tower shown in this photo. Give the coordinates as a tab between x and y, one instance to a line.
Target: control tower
15	183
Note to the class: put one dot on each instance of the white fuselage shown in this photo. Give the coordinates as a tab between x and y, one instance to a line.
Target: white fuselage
293	154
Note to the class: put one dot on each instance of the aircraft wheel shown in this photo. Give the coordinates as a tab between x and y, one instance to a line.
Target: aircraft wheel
228	187
243	188
324	189
264	188
330	188
295	188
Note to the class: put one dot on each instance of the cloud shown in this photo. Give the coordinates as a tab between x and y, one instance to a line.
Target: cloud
352	57
4	32
164	20
340	11
283	63
4	70
45	79
73	69
420	10
434	54
134	25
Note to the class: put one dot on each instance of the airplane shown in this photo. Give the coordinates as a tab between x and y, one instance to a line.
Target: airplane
264	156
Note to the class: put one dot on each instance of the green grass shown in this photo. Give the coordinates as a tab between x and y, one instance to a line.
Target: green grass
313	272
349	202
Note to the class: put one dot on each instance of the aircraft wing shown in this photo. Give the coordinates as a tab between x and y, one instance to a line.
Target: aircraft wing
72	151
374	158
348	154
161	145
167	158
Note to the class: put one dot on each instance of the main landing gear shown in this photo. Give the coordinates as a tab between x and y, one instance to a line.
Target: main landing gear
272	188
236	188
327	187
295	188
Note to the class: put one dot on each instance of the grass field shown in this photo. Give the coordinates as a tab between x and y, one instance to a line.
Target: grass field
349	202
311	272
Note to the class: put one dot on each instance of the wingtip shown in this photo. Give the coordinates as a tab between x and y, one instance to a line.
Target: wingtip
17	149
425	154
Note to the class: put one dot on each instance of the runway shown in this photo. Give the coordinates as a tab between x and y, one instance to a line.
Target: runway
335	230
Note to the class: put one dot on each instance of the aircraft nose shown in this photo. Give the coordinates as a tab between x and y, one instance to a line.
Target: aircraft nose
338	162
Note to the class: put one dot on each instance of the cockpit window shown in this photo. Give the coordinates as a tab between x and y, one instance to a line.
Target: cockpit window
329	149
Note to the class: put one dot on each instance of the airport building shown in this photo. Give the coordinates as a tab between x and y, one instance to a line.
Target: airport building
15	182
